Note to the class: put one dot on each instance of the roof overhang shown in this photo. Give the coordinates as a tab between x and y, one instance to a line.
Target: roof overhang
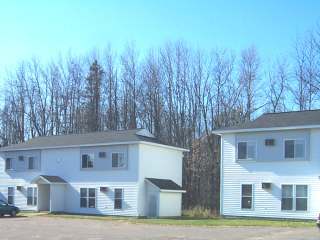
226	131
46	180
165	190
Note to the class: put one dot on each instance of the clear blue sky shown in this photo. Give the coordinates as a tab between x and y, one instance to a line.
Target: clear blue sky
48	28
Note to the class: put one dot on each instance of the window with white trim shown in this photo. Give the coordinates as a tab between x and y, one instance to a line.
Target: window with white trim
294	197
32	196
246	150
10	195
294	149
118	160
246	196
87	160
87	197
8	164
118	198
31	163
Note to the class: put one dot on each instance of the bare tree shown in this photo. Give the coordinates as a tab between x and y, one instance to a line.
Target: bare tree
248	75
278	79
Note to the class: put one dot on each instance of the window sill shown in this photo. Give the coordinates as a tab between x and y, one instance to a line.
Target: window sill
119	168
247	209
295	211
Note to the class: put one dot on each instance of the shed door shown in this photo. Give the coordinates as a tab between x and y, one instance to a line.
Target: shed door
152	206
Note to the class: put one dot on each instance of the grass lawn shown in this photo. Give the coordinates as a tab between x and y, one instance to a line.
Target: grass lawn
186	221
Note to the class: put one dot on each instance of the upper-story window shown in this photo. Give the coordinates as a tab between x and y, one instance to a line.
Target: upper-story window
118	160
31	164
246	150
21	158
8	164
87	160
102	154
294	149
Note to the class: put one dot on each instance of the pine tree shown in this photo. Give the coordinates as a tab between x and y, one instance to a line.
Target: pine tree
93	95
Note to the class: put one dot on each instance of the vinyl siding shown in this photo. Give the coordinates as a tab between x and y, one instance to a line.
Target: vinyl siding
104	200
157	162
20	197
66	164
143	161
267	203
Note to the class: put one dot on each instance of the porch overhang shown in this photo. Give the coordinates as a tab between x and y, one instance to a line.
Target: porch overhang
46	179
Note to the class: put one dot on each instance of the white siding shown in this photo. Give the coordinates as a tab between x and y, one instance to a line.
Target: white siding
157	162
104	200
170	204
57	197
20	197
66	164
268	203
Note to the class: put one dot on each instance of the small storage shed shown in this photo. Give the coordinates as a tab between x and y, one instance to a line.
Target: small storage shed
164	198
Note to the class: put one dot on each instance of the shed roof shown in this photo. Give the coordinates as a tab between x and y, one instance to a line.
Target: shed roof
165	184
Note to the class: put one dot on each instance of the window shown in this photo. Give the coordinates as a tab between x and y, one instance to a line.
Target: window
32	196
294	197
287	197
21	159
301	197
246	150
8	164
31	163
294	149
10	195
102	154
87	161
87	197
118	160
118	198
246	196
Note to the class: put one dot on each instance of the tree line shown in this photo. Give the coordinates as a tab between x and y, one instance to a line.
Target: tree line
177	92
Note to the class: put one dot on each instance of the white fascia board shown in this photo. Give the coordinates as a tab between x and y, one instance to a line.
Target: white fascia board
221	132
165	190
173	191
34	181
165	146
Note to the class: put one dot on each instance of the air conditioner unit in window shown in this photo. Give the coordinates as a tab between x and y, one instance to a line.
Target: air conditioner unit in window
103	189
269	142
19	188
266	185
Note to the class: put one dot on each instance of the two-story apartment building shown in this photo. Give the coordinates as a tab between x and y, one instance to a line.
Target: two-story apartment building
113	173
270	167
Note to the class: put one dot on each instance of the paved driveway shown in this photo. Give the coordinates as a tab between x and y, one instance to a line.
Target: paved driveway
62	228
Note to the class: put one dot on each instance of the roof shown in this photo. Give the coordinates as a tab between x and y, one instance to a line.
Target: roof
85	139
165	184
283	120
50	179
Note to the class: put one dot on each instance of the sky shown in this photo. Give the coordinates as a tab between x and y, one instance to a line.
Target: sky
46	29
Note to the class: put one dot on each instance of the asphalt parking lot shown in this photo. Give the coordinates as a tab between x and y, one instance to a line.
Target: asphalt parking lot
40	227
